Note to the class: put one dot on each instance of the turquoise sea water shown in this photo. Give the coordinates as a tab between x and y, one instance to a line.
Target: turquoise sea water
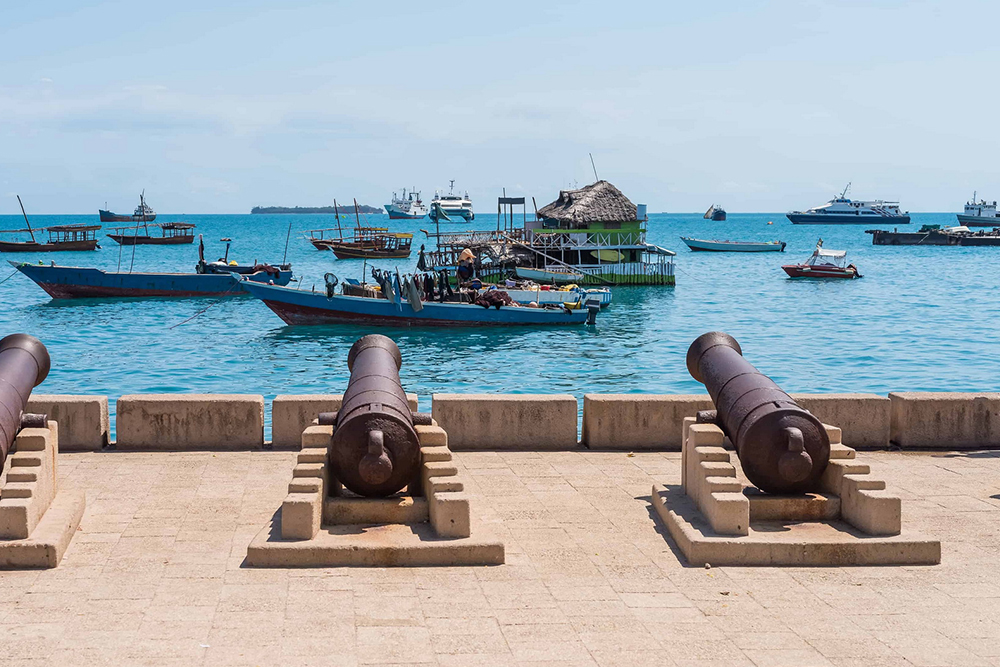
922	318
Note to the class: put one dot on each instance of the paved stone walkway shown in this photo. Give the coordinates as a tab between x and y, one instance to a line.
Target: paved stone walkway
154	576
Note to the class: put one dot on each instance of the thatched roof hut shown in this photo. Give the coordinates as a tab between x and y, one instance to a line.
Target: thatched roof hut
597	202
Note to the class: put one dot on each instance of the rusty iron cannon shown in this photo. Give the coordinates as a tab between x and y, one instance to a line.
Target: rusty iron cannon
782	447
24	363
375	450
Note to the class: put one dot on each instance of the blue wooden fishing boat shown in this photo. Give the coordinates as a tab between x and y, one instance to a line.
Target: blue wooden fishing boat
208	279
302	307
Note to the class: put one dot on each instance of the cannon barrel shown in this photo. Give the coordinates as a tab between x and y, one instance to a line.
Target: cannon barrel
24	363
782	447
375	450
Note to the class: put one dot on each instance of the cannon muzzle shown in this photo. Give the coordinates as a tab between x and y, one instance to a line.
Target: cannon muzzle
375	450
24	363
782	447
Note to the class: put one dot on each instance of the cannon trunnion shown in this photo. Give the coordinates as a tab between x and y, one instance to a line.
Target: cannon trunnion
24	363
782	447
375	450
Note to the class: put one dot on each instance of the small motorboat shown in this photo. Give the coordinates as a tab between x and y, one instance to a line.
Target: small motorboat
823	264
715	213
733	246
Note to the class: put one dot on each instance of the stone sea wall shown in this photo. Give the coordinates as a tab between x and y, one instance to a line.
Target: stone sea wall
630	422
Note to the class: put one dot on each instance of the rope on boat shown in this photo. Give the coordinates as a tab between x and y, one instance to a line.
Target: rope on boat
217	301
8	277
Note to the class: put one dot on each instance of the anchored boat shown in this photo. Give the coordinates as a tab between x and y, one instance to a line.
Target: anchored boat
366	243
734	246
715	213
823	264
208	279
844	211
171	233
445	208
402	306
407	207
61	237
142	213
979	214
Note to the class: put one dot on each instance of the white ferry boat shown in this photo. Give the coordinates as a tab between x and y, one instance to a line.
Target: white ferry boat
982	214
450	206
407	207
844	211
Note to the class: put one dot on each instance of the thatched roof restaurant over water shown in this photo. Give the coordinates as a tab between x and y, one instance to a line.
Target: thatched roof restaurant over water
597	202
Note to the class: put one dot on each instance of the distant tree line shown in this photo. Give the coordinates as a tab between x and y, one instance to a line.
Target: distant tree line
315	209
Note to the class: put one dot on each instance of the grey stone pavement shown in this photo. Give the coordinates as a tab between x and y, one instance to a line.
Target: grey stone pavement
154	576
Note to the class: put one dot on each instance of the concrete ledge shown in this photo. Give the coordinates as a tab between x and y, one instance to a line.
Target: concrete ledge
50	538
83	420
638	421
186	422
293	413
390	545
863	418
945	420
784	543
507	421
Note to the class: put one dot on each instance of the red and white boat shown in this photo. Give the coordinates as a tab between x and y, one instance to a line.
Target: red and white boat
823	264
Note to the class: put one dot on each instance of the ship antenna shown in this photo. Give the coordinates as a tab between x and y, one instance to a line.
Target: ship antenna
593	166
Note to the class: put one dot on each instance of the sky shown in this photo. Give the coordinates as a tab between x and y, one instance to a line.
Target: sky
757	106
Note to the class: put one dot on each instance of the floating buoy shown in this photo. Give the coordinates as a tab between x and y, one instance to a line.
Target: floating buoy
769	222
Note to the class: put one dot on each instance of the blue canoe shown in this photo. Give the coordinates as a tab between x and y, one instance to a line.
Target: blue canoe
300	307
70	282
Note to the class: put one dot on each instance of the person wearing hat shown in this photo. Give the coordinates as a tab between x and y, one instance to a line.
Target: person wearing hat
465	270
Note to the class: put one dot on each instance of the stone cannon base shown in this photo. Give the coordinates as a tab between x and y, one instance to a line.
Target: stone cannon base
321	525
37	521
716	518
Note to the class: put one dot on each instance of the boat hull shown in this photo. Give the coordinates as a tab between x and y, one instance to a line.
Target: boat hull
978	220
108	216
718	216
732	246
802	271
128	239
64	246
838	219
296	307
548	277
67	282
364	253
465	214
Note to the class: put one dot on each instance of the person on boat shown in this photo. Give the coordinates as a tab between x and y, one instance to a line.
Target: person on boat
465	270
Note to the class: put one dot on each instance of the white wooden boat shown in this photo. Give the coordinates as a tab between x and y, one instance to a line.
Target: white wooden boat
734	246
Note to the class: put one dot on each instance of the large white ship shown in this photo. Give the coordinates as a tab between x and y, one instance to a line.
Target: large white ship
450	206
981	214
844	211
407	207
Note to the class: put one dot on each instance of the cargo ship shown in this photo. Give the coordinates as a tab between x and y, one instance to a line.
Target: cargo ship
979	214
842	210
142	213
407	207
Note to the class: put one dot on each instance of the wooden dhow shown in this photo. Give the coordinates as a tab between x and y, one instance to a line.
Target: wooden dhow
60	237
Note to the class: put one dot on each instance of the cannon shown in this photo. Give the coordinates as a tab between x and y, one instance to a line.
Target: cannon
782	447
24	363
375	450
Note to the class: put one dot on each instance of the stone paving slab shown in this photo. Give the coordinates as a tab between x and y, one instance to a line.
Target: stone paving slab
154	576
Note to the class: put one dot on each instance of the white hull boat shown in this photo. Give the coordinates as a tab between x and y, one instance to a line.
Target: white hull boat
734	246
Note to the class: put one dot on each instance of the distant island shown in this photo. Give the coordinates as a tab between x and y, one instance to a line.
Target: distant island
370	210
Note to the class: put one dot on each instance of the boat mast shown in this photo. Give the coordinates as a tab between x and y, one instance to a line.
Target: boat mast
846	188
26	220
336	211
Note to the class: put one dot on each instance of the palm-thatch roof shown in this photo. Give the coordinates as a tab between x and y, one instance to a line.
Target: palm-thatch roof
597	202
